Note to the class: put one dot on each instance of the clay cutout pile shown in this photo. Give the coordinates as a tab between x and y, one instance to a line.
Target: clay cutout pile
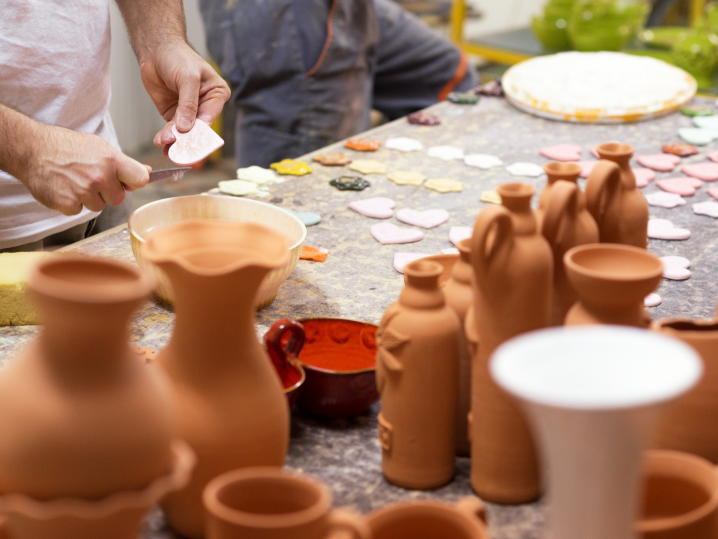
458	233
423	118
388	233
665	200
681	149
445	153
562	152
423	219
709	208
404	144
195	145
407	177
368	166
402	259
376	208
444	185
680	186
482	161
258	175
290	167
675	268
663	229
331	159
350	183
525	169
708	172
362	144
662	162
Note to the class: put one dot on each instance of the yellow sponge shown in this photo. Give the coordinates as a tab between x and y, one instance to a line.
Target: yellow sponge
15	308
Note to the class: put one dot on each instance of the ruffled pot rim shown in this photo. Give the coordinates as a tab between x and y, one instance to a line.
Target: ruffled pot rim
183	461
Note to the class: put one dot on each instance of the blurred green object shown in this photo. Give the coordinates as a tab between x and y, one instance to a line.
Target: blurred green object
697	53
550	26
605	25
661	37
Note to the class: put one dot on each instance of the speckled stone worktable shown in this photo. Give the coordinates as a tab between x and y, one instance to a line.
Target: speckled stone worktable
358	281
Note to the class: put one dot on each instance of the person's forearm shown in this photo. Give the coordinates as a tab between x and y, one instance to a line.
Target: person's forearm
153	23
18	135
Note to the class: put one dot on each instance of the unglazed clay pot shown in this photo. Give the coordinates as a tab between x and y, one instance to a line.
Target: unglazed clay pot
80	416
556	171
417	376
685	426
513	270
595	396
430	520
565	226
611	281
269	503
620	212
232	409
680	497
459	295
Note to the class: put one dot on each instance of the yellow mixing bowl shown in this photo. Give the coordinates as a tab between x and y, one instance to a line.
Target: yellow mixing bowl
171	210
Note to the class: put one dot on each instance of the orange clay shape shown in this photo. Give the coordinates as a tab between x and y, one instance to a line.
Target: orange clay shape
362	144
313	253
332	159
291	167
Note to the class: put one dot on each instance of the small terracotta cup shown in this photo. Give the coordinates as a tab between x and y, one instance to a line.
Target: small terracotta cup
680	497
270	503
430	520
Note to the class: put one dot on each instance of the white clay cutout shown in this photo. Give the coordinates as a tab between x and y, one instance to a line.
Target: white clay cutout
387	233
377	207
458	233
675	268
482	161
525	169
404	144
424	219
665	200
709	208
445	153
652	300
663	229
402	259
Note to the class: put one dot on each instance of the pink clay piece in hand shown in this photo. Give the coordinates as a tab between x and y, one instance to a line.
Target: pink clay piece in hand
195	145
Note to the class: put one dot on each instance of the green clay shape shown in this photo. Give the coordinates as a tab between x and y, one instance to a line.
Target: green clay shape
463	98
696	110
350	183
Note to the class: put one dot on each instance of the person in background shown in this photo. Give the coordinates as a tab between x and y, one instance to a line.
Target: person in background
306	73
62	174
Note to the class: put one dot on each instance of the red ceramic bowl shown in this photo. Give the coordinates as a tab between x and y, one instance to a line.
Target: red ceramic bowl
339	358
284	340
291	390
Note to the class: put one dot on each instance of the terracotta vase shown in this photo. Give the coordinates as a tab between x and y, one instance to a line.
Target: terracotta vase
430	520
513	273
459	295
595	396
611	281
564	226
680	497
81	418
556	171
232	409
269	503
417	377
620	209
684	428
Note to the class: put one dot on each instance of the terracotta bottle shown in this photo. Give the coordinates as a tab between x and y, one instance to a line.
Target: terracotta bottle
564	227
459	296
417	377
232	409
621	212
556	171
80	416
611	281
685	427
513	269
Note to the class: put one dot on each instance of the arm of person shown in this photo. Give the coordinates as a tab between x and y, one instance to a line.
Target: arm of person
64	169
182	85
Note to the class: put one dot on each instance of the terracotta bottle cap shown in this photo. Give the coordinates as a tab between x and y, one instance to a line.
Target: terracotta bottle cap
516	196
422	276
562	171
615	151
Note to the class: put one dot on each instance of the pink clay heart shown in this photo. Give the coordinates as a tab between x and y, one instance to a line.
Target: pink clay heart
562	152
664	162
643	176
713	156
458	233
387	233
708	172
402	259
377	207
652	300
193	146
681	186
676	268
708	207
586	167
663	229
424	219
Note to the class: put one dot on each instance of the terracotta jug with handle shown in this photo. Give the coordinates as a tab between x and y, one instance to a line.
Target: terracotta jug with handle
232	409
619	208
513	274
564	227
556	171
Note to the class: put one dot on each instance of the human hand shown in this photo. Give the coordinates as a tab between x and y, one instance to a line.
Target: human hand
183	86
68	170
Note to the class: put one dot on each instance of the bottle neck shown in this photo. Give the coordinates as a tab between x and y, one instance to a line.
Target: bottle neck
422	292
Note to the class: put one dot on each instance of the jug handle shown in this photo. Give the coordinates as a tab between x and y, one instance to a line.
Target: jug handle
601	187
472	507
563	202
346	522
273	339
503	239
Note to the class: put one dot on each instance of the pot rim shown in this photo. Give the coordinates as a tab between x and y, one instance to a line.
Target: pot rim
249	201
423	507
183	461
212	504
298	365
662	325
334	371
669	523
598	274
